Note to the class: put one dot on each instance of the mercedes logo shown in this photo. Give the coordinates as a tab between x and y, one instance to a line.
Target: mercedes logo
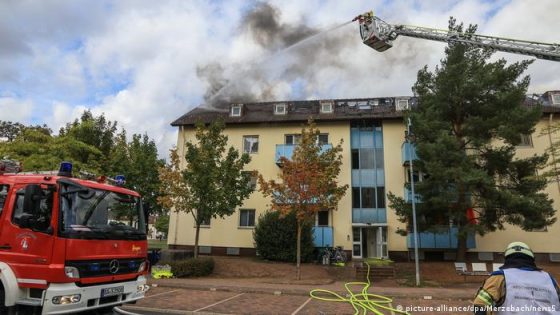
114	266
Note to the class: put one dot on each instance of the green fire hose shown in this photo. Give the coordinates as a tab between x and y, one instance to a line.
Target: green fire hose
361	302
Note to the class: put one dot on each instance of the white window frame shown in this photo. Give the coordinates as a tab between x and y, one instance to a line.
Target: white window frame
526	141
296	138
279	106
556	99
247	218
402	106
250	151
253	182
236	110
327	107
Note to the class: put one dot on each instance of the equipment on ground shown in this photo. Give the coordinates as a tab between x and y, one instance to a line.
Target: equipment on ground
379	35
68	244
362	302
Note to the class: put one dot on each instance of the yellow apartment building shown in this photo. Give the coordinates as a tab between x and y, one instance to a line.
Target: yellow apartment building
375	162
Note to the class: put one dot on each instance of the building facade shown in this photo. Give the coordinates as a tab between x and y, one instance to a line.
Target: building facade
375	162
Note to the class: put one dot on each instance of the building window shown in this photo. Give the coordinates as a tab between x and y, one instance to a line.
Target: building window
356	197
556	99
251	144
380	197
280	109
206	222
253	179
326	107
526	141
235	110
323	139
355	159
292	139
295	139
323	218
402	105
368	197
247	217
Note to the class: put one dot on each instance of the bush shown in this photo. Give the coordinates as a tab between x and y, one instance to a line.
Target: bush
276	238
193	267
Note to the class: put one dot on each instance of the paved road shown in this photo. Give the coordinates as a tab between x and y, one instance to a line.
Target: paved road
163	300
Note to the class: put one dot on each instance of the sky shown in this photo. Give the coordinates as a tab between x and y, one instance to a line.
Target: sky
145	63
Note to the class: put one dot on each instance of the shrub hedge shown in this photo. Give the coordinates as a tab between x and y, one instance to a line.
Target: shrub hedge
276	238
192	267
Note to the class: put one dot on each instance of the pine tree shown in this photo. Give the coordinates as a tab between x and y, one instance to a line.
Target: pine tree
468	122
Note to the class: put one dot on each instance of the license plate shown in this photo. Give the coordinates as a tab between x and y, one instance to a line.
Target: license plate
112	291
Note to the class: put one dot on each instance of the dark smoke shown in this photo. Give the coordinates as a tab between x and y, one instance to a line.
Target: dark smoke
258	81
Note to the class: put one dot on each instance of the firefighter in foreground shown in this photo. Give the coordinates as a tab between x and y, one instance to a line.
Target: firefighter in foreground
519	287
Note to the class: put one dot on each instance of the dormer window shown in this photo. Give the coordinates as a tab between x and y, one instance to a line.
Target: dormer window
326	107
280	109
402	104
236	110
556	99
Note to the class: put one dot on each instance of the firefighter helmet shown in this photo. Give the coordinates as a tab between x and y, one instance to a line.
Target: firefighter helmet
518	247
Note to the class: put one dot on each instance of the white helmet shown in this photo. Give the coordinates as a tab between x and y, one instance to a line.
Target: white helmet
518	247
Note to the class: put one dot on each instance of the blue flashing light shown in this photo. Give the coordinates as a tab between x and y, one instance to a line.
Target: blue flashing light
94	267
120	180
65	169
132	265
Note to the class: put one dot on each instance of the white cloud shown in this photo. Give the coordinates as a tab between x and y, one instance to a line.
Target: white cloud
15	110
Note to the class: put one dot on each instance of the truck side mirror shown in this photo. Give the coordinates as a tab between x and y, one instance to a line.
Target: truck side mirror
32	199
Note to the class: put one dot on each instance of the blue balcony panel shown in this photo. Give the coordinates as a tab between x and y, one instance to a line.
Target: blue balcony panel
408	196
406	150
373	215
287	150
322	236
447	239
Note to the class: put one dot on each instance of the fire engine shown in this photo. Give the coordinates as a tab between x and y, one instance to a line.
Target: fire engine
68	244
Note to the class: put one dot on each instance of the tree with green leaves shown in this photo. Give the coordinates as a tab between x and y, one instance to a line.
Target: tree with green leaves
96	131
307	183
469	119
162	224
212	183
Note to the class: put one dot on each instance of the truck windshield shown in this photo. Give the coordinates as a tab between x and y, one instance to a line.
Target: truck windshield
100	214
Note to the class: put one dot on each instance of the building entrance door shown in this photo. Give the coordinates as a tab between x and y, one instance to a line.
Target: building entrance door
377	242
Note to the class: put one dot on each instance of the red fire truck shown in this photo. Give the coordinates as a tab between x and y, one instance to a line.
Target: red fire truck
68	244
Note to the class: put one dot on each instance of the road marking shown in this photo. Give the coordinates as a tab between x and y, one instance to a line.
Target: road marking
302	306
149	296
220	302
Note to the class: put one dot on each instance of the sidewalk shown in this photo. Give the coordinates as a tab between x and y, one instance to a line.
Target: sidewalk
280	287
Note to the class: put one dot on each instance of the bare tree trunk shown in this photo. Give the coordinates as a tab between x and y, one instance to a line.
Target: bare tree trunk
196	240
298	252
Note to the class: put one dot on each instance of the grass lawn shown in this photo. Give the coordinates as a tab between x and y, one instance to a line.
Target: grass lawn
153	244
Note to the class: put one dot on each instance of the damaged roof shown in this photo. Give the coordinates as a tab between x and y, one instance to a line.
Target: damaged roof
342	110
301	111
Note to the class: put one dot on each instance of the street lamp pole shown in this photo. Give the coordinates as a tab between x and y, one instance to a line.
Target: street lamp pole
413	200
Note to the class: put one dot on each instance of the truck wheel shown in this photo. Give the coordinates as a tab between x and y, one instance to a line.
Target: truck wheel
3	308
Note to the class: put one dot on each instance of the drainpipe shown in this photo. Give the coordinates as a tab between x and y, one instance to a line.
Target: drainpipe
554	164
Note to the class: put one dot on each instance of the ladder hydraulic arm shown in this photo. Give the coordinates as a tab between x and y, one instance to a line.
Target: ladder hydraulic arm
379	35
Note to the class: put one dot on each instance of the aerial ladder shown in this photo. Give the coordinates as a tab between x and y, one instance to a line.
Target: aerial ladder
379	35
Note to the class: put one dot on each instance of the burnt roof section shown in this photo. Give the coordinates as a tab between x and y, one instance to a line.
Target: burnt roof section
301	111
343	110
